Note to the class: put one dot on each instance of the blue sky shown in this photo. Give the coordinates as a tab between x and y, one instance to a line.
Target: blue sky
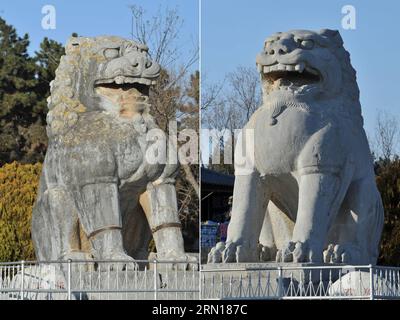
233	32
92	18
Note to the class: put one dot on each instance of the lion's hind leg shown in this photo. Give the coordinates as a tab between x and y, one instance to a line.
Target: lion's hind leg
41	232
57	233
356	234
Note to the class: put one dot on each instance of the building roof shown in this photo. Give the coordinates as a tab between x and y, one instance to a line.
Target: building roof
216	178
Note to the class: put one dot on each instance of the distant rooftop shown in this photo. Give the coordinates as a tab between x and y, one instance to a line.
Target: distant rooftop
213	177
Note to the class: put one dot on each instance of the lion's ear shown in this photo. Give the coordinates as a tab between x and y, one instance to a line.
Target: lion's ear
333	35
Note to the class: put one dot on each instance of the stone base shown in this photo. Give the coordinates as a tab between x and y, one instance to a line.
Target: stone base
261	280
143	282
40	283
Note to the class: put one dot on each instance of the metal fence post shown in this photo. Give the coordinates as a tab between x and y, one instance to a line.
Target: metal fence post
22	278
69	278
155	280
280	282
371	282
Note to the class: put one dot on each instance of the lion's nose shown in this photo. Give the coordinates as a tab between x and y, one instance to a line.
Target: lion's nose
280	47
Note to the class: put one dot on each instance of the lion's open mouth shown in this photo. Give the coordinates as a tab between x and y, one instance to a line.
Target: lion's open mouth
293	76
141	88
128	98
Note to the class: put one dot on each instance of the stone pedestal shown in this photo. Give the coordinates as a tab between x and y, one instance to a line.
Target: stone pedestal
265	280
136	285
50	283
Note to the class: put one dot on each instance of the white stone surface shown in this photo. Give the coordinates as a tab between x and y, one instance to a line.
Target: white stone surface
307	153
45	277
357	283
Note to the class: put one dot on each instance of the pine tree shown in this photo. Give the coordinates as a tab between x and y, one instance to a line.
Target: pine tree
47	59
24	88
17	91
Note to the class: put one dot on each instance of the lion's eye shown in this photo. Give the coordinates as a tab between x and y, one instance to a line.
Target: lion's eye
111	53
307	44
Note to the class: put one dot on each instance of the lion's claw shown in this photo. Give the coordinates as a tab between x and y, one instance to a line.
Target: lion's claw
232	252
299	252
344	253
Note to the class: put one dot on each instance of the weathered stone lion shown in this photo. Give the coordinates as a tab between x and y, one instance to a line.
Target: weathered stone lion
306	191
99	196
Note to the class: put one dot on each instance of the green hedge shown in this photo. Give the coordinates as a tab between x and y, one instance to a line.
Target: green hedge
18	188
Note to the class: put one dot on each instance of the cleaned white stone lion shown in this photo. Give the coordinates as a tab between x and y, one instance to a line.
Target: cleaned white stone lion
310	165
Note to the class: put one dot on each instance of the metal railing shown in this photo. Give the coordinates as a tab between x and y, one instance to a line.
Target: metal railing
301	282
109	280
160	280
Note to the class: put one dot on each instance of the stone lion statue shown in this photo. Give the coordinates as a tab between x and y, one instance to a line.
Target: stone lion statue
306	191
99	197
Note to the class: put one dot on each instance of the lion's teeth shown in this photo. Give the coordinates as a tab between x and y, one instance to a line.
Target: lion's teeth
119	79
129	80
299	67
289	68
282	67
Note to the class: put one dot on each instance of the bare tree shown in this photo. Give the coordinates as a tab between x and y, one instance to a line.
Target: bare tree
160	33
231	106
209	93
387	134
372	144
227	108
245	90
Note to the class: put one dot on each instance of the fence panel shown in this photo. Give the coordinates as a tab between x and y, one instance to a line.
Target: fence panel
301	282
109	280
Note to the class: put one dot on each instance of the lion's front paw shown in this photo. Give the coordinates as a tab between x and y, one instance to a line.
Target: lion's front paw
266	253
232	252
215	254
122	261
238	252
80	260
342	253
296	251
179	261
190	264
